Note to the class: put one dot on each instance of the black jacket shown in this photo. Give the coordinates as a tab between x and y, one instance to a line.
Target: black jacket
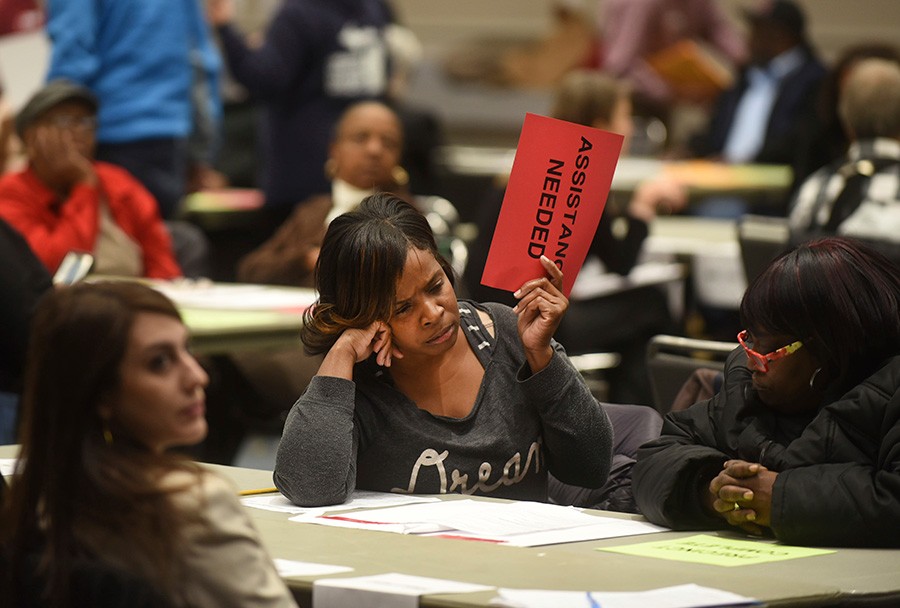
838	468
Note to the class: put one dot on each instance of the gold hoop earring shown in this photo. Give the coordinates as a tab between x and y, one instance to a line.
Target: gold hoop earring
107	434
399	175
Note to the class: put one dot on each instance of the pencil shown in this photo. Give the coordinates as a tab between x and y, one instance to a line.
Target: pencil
259	491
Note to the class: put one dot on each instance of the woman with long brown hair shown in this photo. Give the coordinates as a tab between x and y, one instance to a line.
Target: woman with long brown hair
110	389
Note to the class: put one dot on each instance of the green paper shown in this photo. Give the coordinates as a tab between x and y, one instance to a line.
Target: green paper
715	551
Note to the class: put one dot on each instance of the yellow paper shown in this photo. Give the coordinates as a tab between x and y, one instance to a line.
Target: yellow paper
715	551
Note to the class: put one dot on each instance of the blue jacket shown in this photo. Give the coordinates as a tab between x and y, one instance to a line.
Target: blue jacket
319	56
136	56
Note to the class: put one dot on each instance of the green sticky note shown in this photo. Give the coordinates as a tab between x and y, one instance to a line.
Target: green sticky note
715	551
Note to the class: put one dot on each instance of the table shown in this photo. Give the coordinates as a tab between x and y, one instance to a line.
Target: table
701	177
222	208
577	566
227	317
849	574
224	318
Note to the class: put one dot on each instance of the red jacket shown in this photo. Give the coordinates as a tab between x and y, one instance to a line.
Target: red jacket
53	229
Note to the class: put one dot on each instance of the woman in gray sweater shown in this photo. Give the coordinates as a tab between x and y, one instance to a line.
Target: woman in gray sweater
422	393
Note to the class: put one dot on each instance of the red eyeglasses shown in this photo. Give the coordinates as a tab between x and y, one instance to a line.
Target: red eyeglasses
760	361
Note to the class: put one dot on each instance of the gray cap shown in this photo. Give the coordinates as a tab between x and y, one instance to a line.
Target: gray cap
53	94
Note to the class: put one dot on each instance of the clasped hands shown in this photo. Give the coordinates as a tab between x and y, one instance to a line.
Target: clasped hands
741	494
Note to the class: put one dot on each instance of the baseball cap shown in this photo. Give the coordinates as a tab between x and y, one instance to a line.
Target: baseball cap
53	94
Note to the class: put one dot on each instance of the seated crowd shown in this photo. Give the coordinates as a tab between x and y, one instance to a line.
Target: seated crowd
411	377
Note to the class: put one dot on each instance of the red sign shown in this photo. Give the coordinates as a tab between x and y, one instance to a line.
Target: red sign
557	190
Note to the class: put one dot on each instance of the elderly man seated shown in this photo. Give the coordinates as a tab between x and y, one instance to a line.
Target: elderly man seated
64	200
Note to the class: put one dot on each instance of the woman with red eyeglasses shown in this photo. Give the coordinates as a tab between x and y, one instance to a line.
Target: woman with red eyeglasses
803	440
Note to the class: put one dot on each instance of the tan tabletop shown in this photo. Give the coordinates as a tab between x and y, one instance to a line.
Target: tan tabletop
575	566
579	566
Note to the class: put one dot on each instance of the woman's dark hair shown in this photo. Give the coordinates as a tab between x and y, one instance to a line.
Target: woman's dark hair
837	295
71	481
361	260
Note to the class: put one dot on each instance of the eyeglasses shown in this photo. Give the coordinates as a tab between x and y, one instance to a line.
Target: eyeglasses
760	361
74	123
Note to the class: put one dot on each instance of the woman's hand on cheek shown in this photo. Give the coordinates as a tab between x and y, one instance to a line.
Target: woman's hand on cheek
355	345
383	345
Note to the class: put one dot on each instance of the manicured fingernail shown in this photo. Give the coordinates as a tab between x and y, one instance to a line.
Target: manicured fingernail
517	293
748	495
751	516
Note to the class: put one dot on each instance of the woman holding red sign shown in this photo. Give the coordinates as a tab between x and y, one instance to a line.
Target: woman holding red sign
422	393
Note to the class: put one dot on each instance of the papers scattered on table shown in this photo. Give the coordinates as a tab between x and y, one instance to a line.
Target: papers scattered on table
235	296
521	523
707	549
359	499
288	567
679	596
7	466
383	590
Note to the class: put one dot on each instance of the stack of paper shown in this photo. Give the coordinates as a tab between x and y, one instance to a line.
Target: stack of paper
522	523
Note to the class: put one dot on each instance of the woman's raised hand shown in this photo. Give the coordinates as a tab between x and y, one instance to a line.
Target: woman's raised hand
540	309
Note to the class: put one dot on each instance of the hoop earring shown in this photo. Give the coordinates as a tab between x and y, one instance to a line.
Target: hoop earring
107	434
399	175
812	379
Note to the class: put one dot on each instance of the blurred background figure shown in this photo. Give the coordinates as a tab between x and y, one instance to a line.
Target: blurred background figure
858	195
756	119
146	62
66	201
317	57
823	136
637	36
759	118
364	158
621	322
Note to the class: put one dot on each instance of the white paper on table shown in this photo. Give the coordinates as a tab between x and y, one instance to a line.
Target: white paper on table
608	527
679	596
7	466
359	499
392	590
351	520
288	567
519	523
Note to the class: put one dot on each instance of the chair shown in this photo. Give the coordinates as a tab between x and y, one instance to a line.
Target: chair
672	359
762	238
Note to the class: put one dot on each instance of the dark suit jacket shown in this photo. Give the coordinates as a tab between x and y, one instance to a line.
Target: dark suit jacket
795	99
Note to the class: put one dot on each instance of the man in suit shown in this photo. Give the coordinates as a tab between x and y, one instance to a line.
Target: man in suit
754	121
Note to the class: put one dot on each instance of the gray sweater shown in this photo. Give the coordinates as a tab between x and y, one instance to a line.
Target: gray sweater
365	433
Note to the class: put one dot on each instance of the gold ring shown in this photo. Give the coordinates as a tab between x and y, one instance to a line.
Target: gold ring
737	507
